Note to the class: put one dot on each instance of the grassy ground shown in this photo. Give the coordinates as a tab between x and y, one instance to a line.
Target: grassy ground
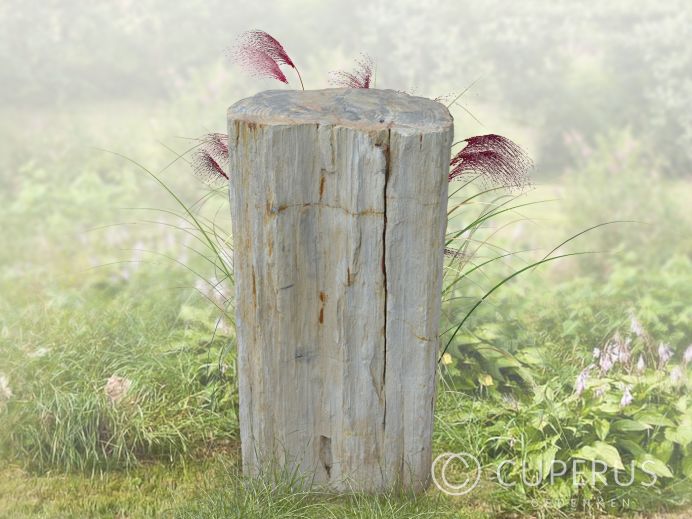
118	393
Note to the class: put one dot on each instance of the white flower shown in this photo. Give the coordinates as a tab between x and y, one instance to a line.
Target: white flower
627	397
5	390
676	375
596	353
664	353
116	388
641	366
40	352
687	356
636	327
580	384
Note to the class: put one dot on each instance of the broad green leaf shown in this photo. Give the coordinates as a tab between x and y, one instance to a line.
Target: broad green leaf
653	418
632	447
628	425
650	463
609	407
601	451
532	356
602	427
664	450
687	466
546	459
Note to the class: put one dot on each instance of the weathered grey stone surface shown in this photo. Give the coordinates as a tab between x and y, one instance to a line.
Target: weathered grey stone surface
338	202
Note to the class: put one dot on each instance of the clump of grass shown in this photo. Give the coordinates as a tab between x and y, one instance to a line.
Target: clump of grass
112	384
230	495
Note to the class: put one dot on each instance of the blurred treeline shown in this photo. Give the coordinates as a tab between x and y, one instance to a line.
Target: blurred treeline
566	73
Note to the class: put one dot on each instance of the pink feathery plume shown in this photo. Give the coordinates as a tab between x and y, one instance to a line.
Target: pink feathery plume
360	78
208	158
496	158
262	55
266	43
259	64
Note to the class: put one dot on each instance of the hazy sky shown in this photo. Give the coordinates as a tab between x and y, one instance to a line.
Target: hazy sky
542	70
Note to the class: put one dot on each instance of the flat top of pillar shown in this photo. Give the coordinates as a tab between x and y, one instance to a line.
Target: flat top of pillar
366	108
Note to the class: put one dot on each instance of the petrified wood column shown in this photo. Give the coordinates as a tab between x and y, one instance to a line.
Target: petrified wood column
339	202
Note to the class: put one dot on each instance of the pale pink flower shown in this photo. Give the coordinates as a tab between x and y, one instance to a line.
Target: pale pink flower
640	364
623	350
636	327
116	388
687	356
627	397
596	353
664	353
607	359
676	375
580	384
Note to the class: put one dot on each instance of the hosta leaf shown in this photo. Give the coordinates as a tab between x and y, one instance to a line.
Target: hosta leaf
632	447
609	407
602	427
664	450
687	466
601	451
627	425
651	464
547	458
653	418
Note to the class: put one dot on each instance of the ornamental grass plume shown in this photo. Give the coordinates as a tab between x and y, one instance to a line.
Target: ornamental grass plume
361	77
262	55
497	159
209	158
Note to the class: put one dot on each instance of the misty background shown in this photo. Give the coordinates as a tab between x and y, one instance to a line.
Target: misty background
598	94
556	76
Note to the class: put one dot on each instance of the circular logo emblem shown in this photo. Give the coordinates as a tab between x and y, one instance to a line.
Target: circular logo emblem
461	465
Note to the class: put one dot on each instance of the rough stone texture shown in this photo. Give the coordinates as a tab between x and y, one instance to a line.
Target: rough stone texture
338	202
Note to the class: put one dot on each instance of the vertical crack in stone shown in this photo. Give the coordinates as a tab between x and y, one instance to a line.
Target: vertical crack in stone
387	166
